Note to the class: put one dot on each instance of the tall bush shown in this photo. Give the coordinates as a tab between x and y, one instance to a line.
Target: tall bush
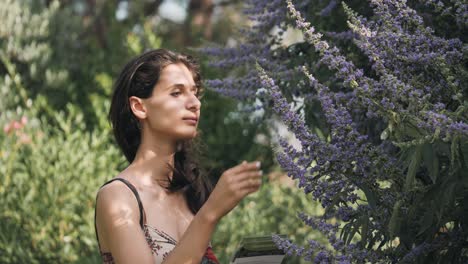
49	177
264	213
52	160
383	127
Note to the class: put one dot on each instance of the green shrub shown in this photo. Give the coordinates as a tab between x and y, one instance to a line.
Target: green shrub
49	179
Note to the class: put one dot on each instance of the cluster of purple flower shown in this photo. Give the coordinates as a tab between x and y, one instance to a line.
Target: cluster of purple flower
415	85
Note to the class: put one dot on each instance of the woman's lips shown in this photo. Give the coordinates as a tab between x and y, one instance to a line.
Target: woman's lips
191	121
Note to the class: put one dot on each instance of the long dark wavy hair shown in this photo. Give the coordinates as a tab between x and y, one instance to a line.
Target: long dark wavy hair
138	78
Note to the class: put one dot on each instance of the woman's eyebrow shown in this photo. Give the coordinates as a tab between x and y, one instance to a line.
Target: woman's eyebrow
181	85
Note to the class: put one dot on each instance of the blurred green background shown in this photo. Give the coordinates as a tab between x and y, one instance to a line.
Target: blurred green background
58	61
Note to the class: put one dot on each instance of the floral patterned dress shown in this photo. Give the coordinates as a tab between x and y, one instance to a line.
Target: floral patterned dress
161	243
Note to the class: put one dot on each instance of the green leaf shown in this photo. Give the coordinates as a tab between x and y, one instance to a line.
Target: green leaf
394	223
384	134
335	200
364	230
454	152
411	129
464	151
431	161
370	196
345	231
446	197
413	167
372	242
426	222
353	231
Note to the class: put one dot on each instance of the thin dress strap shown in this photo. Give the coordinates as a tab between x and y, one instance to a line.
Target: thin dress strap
140	205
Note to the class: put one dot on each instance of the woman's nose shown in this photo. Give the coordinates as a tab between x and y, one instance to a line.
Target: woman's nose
194	102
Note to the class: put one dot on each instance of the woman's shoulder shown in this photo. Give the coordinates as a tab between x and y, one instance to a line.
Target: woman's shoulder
115	200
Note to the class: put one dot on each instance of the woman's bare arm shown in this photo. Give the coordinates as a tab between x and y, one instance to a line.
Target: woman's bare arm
117	220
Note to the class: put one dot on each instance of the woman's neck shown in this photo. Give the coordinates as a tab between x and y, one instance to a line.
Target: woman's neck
151	162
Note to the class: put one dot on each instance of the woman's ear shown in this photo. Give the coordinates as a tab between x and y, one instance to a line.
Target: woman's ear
137	106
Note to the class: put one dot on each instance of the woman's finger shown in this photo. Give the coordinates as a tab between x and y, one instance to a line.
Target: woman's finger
250	183
244	166
257	174
248	191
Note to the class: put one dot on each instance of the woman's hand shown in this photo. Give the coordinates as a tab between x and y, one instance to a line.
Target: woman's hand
233	185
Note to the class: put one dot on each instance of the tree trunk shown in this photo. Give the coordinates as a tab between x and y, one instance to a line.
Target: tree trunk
198	21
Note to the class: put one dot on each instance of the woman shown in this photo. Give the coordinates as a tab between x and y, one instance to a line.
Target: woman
160	209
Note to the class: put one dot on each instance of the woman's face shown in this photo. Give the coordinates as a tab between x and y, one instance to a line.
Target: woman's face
173	110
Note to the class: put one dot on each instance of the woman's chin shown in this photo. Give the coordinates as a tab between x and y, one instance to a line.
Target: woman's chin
187	135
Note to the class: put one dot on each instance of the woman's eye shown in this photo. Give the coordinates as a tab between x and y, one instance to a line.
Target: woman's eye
176	94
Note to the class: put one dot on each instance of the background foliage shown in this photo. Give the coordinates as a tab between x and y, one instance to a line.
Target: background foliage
58	61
